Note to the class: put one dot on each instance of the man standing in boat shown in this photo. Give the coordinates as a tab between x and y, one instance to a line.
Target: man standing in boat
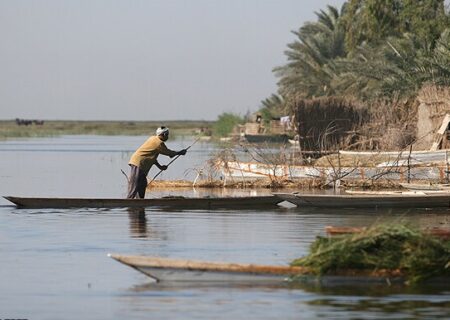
144	158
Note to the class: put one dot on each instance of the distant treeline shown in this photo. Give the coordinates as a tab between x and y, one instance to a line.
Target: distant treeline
17	128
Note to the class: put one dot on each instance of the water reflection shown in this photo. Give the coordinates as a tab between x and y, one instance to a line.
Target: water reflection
180	285
311	300
67	247
363	289
138	222
356	307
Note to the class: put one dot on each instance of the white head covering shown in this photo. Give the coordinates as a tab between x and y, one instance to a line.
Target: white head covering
162	130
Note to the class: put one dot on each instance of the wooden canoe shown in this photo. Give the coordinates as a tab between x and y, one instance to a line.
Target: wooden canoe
164	269
410	200
166	202
426	186
385	192
269	138
398	192
181	271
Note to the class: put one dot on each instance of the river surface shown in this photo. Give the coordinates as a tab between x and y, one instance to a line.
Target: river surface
54	263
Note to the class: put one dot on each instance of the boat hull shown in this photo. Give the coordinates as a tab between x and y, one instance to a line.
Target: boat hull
164	269
269	138
170	202
368	201
177	271
426	187
255	170
160	274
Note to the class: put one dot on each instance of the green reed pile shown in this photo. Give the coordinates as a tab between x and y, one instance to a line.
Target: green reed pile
416	254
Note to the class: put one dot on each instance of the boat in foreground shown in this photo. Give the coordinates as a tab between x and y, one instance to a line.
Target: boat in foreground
404	200
164	269
180	271
247	202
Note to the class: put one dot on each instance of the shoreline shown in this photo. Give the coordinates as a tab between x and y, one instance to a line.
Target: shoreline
45	128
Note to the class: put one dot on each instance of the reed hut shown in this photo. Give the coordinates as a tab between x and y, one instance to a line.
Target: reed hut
327	123
433	117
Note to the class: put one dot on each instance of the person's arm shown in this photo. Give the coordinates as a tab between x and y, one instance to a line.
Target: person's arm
171	153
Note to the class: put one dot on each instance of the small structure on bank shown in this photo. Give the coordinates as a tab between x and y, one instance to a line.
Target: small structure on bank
340	139
339	124
276	130
433	118
327	123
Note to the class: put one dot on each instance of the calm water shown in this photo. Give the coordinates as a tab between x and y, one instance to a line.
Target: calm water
54	263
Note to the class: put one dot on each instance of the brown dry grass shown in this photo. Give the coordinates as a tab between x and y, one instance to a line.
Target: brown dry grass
256	183
431	94
351	160
300	184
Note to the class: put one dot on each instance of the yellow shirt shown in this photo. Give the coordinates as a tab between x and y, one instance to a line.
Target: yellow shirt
146	155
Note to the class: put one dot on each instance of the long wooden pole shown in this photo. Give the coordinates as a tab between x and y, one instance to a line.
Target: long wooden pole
172	162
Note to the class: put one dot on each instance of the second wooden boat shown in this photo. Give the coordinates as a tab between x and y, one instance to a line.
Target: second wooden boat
268	138
426	186
384	192
168	202
409	200
164	269
180	271
256	170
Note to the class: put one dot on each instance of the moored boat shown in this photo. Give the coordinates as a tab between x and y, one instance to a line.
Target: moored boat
426	186
247	202
164	269
256	170
269	138
410	200
180	271
384	192
399	192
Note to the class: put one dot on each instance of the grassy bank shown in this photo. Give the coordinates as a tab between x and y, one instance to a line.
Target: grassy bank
10	129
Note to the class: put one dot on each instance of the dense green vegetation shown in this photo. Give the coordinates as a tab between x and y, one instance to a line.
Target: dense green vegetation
225	124
368	50
9	129
415	254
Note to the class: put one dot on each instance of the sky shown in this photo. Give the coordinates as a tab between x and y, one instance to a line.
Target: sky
143	59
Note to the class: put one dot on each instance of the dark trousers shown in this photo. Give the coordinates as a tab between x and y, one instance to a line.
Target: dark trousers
137	183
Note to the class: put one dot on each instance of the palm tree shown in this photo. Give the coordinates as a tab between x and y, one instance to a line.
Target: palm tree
397	67
368	21
310	69
441	60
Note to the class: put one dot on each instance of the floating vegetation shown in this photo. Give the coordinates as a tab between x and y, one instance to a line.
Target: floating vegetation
383	250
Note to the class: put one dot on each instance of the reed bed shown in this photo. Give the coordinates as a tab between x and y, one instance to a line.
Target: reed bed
303	184
396	249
